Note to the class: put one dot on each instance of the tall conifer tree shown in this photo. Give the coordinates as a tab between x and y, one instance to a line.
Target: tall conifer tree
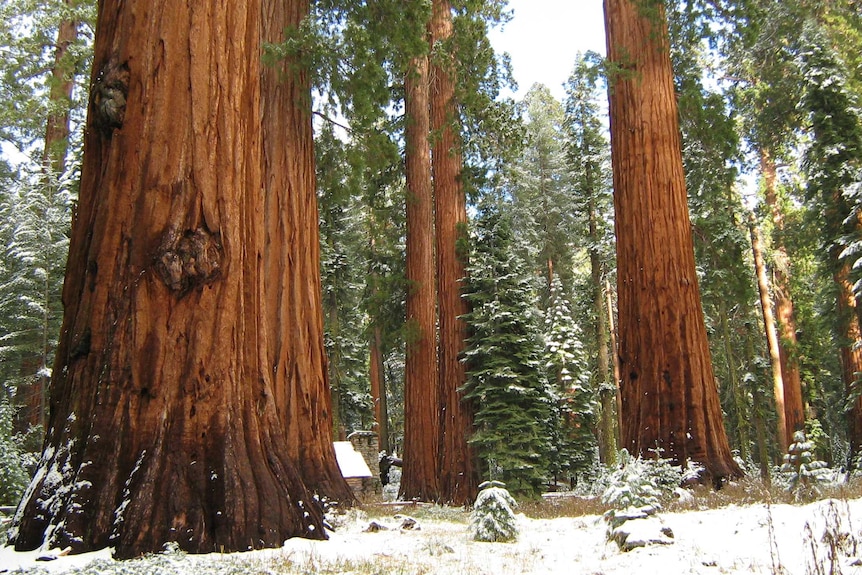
669	395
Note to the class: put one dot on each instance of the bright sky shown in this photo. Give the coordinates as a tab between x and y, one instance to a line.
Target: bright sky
544	36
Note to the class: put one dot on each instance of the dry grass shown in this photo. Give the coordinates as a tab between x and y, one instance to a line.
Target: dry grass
746	491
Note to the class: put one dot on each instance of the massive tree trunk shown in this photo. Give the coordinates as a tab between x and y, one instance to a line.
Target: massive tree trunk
421	417
771	338
458	473
185	359
669	393
292	292
794	409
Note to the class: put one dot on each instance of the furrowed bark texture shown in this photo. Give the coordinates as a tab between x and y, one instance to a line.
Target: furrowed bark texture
669	393
182	383
421	417
292	293
458	474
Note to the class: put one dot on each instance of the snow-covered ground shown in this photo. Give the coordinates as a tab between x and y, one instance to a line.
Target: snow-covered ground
823	537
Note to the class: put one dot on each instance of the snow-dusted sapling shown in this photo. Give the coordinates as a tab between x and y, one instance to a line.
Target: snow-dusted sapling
802	471
641	482
493	518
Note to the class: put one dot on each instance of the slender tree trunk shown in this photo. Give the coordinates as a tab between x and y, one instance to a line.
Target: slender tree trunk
742	422
668	388
61	83
615	358
377	376
421	417
334	326
794	409
758	407
607	389
850	333
175	368
457	469
771	338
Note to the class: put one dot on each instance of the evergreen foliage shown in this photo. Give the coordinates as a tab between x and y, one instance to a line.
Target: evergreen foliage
573	443
641	482
802	471
505	374
833	159
28	33
493	518
542	200
588	155
14	461
343	243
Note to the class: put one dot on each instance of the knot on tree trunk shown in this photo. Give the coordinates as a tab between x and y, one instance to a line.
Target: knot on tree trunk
189	260
109	96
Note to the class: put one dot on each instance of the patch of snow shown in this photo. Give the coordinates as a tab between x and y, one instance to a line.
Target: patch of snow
758	539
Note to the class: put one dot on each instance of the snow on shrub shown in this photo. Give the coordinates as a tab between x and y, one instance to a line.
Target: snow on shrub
802	472
493	517
641	482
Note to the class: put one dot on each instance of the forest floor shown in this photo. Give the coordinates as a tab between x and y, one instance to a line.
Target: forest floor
733	531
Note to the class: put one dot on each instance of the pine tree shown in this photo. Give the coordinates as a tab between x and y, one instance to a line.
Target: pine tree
542	205
573	439
802	470
36	220
588	155
493	517
343	245
833	162
505	375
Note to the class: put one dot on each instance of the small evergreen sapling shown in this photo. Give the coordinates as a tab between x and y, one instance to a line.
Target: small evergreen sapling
13	472
641	483
802	471
493	518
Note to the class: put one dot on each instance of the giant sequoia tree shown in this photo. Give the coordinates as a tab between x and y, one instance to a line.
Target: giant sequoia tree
422	418
458	477
191	353
669	395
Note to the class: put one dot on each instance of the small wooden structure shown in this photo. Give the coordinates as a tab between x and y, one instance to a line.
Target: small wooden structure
358	459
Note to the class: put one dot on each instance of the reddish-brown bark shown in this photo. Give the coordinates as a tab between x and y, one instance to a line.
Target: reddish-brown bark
851	352
772	345
421	416
61	83
794	408
458	474
191	351
669	393
292	290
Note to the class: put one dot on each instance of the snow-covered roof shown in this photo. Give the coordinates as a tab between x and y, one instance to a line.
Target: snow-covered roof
350	461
